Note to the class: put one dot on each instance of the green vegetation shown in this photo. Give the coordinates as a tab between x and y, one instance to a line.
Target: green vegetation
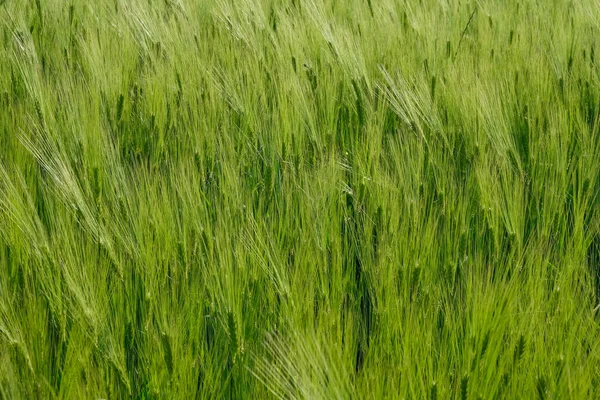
310	199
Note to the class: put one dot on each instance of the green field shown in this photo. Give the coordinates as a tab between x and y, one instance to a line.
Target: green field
311	199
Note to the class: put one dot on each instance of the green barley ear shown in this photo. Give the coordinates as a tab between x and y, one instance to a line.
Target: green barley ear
464	387
96	182
38	7
233	335
120	102
433	394
570	63
485	344
168	352
71	14
542	387
519	349
415	281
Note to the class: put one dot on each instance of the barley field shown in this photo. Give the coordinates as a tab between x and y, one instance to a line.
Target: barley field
299	199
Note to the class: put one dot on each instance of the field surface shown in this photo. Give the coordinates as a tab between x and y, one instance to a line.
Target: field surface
299	199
